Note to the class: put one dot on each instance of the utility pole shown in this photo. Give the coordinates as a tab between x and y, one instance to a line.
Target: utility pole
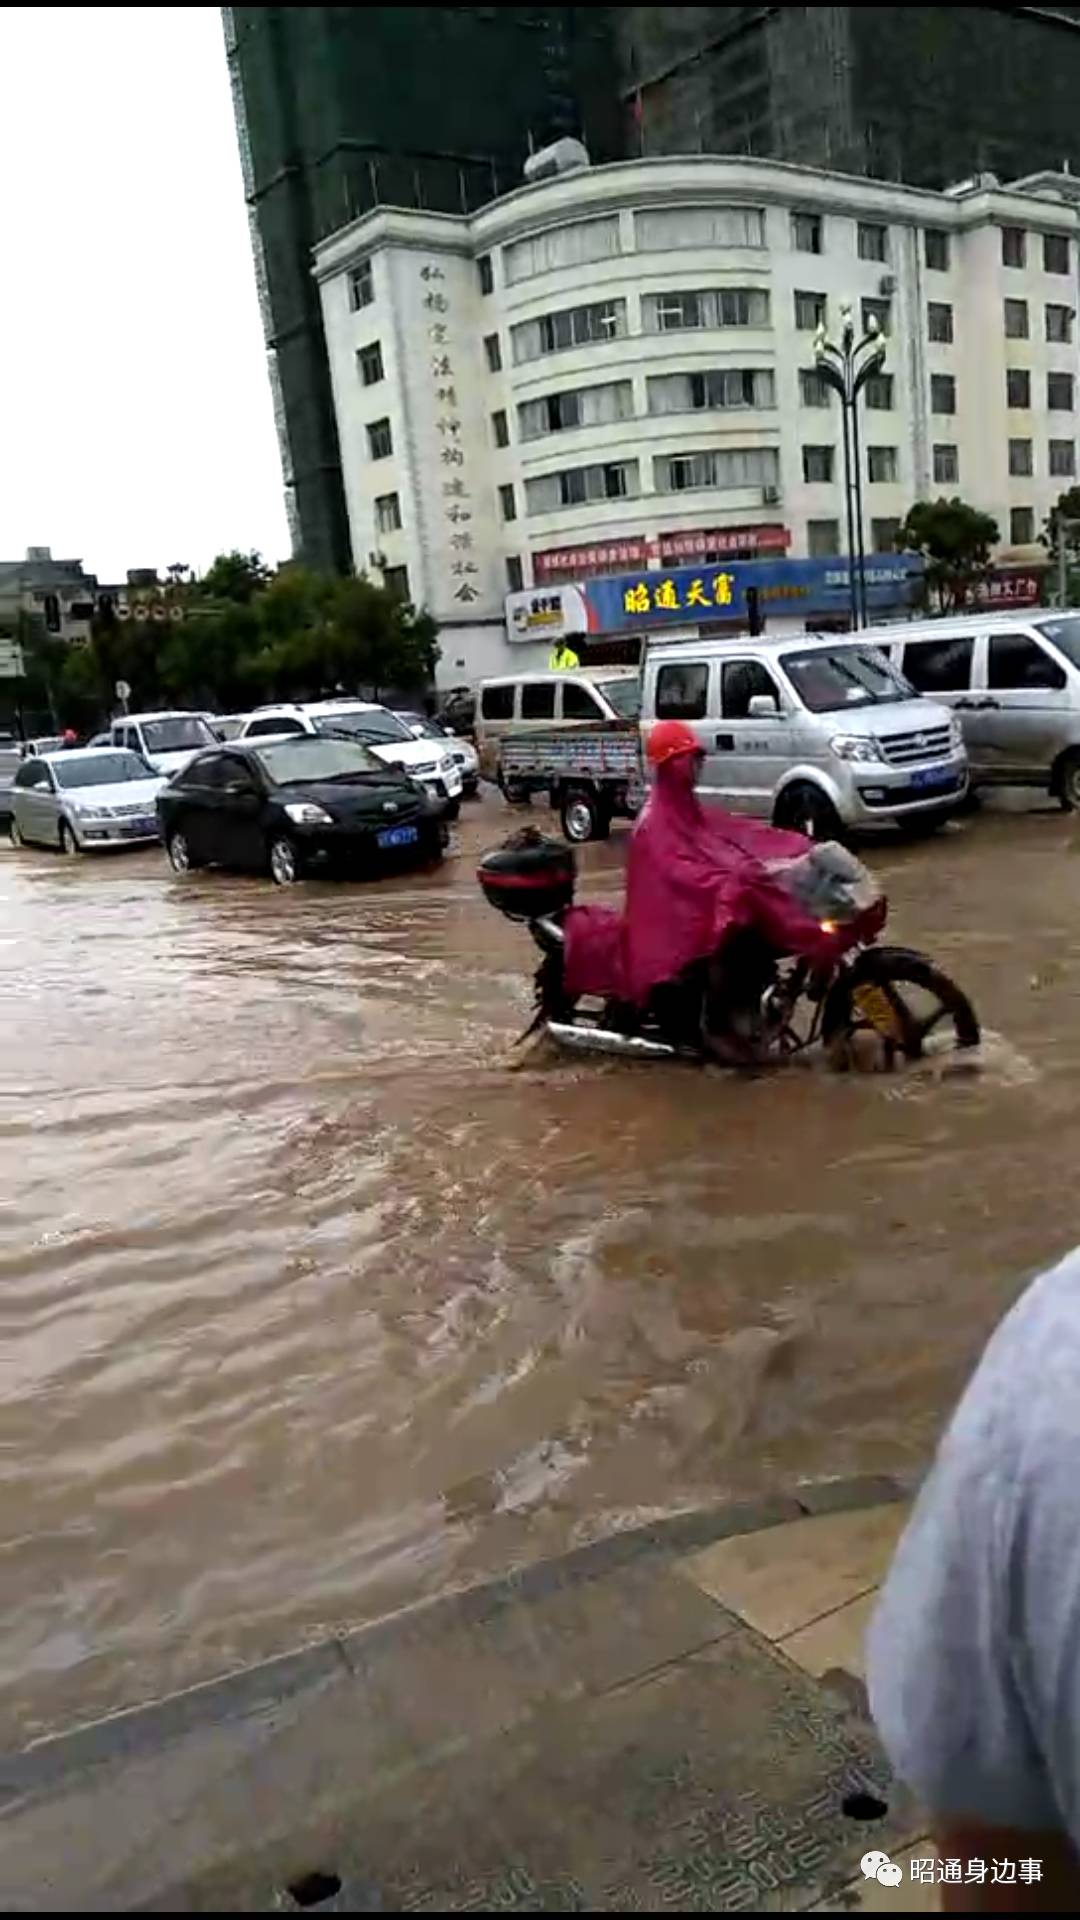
847	367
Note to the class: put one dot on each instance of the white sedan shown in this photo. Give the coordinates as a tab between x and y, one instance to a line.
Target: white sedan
462	751
84	797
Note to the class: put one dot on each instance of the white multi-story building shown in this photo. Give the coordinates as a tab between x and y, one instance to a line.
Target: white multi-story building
613	370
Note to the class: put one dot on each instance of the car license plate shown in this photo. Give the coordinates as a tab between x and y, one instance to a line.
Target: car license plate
930	777
397	836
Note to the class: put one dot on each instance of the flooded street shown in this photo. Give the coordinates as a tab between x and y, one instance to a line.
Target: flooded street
309	1306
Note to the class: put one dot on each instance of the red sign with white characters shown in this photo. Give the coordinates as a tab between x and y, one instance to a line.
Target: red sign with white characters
606	556
1012	589
717	540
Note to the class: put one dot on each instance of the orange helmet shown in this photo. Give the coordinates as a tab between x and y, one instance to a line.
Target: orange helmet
669	739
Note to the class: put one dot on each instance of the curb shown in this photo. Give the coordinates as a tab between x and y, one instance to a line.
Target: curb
134	1731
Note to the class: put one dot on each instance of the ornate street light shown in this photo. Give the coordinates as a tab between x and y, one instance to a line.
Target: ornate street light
847	367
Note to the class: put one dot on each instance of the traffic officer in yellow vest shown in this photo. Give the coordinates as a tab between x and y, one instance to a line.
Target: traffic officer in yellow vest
563	656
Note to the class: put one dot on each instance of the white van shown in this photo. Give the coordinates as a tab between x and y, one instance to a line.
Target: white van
810	731
1013	682
571	697
166	741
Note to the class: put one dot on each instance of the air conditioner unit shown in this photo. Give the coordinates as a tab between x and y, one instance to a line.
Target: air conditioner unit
376	559
887	283
770	496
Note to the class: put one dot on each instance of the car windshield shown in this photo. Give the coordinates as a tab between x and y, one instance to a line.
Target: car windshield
843	678
623	694
226	729
100	769
421	728
173	736
308	757
373	725
1065	634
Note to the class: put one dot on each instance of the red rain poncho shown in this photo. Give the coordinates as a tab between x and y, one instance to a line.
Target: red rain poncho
694	874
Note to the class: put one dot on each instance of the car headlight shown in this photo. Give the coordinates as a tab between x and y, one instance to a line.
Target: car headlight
447	764
89	810
956	733
855	746
307	813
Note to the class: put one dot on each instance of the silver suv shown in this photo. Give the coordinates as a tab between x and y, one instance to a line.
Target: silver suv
809	731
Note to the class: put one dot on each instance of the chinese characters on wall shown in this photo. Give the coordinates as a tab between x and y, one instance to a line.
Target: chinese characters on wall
455	494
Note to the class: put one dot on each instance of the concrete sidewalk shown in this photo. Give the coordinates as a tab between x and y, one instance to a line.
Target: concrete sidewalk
671	1717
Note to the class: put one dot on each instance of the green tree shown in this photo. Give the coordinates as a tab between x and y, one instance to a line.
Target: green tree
955	540
234	576
1065	514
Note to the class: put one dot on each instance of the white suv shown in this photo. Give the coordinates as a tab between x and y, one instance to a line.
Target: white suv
376	727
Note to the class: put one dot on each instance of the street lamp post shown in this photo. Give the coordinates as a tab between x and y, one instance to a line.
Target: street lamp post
847	367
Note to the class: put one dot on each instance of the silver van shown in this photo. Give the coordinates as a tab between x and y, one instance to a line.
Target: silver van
1013	682
571	697
815	732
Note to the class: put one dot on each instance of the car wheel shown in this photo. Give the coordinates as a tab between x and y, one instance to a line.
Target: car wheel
178	848
284	861
805	809
1067	781
68	842
584	816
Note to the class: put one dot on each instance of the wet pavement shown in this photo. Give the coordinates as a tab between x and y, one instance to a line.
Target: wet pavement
310	1306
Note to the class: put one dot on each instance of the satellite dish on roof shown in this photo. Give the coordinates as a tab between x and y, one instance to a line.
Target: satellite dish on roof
563	156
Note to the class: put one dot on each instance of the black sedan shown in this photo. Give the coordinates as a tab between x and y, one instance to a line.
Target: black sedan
295	805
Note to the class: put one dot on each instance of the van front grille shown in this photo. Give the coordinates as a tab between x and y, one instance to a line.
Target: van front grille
924	743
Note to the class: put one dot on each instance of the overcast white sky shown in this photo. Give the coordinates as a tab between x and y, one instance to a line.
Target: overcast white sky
135	419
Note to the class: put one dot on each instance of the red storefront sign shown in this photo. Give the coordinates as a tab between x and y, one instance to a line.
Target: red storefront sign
606	556
1013	589
719	540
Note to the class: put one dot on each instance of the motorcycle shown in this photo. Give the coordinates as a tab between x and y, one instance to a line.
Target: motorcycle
866	1004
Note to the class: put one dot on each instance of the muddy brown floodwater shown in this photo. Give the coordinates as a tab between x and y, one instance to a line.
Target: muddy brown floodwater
310	1307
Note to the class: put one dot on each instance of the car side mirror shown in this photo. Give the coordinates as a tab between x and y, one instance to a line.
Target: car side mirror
763	706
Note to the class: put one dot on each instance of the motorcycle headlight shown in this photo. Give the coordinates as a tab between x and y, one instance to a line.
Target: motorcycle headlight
307	814
855	746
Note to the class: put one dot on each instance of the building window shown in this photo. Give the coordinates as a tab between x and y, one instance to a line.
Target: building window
1059	392
577	486
576	407
719	307
946	465
361	286
507	503
380	440
939	323
822	538
809	311
727	467
722	387
1059	323
814	389
806	232
878	392
1020	460
1013	247
571	246
936	249
879	311
396	581
570	327
1055	253
883	535
369	361
515	578
817	465
388	513
1021	526
492	352
484	273
1016	319
881	463
942	393
499	428
1063	459
1017	387
663	228
873	241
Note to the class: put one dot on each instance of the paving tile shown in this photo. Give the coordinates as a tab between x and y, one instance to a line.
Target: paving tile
835	1640
869	1896
783	1578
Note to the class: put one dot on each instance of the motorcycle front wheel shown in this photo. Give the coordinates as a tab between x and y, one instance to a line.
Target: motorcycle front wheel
908	1005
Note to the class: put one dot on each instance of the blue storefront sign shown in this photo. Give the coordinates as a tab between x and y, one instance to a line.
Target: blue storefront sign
797	589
